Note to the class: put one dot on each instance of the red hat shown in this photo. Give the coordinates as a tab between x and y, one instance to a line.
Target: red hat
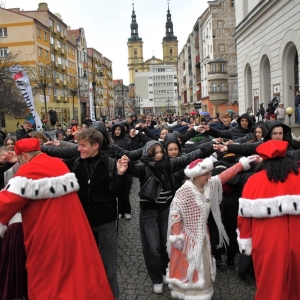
272	149
27	145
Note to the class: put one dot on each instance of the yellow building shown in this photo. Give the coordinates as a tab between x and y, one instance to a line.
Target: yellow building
40	40
28	38
108	106
136	61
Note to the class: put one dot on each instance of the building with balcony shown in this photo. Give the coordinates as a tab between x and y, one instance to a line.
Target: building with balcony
136	61
29	38
157	89
268	42
207	68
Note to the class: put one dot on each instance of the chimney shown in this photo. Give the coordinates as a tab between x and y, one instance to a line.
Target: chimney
43	6
58	15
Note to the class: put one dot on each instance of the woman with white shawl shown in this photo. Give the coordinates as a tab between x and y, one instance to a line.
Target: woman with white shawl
192	270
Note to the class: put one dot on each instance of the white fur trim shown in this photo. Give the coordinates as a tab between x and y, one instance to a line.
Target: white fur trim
44	188
245	164
17	218
2	229
201	168
245	245
270	207
174	238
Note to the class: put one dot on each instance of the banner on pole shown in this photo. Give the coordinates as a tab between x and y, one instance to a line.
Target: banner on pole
92	110
23	84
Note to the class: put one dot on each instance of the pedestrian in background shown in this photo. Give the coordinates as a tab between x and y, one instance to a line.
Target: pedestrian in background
280	111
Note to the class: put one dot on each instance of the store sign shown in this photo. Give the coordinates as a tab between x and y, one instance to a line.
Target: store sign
198	105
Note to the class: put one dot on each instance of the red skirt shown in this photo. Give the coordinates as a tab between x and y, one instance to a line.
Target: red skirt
13	276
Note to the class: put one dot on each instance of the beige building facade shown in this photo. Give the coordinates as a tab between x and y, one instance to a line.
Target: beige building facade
268	42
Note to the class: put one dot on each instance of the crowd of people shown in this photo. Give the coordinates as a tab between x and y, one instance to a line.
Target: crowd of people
209	188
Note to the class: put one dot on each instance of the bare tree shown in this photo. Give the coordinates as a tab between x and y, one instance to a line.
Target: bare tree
11	100
41	77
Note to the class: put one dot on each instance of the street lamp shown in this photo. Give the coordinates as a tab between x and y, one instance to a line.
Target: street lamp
289	112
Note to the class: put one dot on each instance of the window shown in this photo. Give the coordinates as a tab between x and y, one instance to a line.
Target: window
222	87
61	77
150	77
222	68
69	49
62	93
214	87
171	51
53	58
73	51
151	92
3	52
150	84
58	27
169	76
135	52
55	92
232	3
51	22
59	60
41	71
39	32
45	36
3	32
52	40
213	67
221	47
49	92
40	51
46	54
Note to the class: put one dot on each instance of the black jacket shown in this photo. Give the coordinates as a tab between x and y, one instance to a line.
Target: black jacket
234	132
122	140
22	134
150	183
96	194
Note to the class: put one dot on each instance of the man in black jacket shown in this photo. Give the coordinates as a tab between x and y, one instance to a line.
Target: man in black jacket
25	132
98	191
244	126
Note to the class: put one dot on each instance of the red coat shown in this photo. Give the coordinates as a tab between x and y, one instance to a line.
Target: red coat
63	261
269	225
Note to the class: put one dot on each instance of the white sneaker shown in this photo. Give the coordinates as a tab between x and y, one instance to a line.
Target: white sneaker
158	288
127	216
120	216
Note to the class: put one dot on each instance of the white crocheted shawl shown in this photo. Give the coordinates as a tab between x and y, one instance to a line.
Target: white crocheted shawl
188	208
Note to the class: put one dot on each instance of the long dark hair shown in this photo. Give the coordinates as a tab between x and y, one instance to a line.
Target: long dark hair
278	168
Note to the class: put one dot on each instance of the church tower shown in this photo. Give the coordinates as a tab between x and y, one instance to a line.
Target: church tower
170	42
135	49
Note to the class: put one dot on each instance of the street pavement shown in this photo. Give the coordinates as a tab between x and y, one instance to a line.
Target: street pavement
134	281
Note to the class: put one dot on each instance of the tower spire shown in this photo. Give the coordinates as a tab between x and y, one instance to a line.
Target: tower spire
169	26
134	26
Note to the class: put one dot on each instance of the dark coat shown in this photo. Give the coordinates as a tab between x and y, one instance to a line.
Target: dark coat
234	132
96	194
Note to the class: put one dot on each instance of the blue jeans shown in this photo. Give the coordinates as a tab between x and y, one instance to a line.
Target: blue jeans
153	228
106	236
297	110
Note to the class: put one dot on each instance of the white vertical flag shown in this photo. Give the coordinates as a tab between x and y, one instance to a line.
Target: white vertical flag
92	109
23	84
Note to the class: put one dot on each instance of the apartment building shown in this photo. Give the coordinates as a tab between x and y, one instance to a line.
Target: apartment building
207	65
157	89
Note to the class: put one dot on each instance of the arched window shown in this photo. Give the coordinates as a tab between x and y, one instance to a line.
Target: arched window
214	87
135	52
222	87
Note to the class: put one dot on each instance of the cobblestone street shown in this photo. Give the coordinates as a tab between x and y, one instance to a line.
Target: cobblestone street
133	277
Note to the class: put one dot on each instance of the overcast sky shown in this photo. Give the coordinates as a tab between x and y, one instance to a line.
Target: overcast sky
107	24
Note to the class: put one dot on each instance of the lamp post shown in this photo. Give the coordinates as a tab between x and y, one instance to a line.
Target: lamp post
290	111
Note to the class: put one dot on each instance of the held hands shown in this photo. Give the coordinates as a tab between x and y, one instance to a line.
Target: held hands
8	156
122	165
178	244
